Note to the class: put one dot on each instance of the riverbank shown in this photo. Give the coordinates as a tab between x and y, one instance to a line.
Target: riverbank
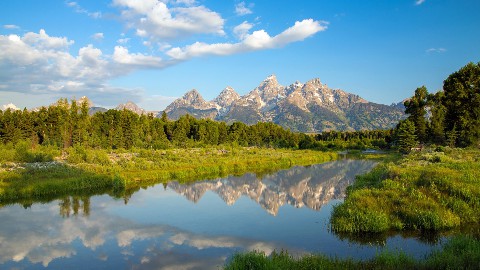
424	191
83	170
460	252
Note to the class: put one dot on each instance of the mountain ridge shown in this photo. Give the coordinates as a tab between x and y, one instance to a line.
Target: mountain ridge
304	107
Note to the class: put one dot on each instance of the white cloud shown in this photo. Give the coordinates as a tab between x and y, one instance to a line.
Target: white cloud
419	2
258	40
122	56
123	40
97	36
155	20
186	2
436	50
241	30
78	9
44	41
10	26
241	9
42	65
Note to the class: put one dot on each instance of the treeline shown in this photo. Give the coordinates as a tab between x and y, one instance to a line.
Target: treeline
341	140
66	124
449	117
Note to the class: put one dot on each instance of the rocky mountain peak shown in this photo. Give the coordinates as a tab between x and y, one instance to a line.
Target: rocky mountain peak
270	90
193	96
83	99
131	106
10	106
269	82
226	97
272	78
315	82
192	103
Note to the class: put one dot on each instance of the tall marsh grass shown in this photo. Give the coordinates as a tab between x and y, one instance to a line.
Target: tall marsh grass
424	191
80	168
460	252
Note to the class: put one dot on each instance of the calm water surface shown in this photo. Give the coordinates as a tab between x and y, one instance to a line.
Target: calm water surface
194	226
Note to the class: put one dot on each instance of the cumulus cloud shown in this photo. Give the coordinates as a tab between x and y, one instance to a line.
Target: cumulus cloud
154	19
258	40
122	56
241	30
42	40
41	64
241	9
419	2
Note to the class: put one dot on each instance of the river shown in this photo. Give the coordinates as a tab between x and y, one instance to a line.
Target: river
192	226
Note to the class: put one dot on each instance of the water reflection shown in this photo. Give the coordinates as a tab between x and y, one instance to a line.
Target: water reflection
74	204
311	186
194	226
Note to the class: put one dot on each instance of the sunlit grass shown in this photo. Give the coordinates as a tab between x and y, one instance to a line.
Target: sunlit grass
80	168
423	191
460	252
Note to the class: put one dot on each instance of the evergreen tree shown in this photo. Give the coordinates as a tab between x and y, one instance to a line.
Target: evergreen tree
405	134
416	106
436	127
462	103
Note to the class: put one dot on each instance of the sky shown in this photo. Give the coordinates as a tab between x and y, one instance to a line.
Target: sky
154	51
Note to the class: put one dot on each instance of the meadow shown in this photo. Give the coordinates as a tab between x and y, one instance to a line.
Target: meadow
46	172
424	191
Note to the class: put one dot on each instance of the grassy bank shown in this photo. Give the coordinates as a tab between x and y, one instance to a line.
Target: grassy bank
88	170
143	166
460	252
423	191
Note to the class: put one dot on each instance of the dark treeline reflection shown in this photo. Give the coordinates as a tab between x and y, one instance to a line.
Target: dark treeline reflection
74	205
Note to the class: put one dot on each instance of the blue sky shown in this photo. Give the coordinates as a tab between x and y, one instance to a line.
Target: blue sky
153	51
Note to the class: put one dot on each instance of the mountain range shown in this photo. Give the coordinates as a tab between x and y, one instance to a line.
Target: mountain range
304	107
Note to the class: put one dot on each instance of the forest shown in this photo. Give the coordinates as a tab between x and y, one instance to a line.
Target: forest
66	124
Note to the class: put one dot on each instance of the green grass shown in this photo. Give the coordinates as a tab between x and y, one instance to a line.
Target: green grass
97	169
141	166
423	191
49	181
460	252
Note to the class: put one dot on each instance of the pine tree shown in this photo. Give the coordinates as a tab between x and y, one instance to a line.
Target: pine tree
406	138
436	127
416	108
462	103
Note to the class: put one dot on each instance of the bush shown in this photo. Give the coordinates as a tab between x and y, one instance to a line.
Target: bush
25	153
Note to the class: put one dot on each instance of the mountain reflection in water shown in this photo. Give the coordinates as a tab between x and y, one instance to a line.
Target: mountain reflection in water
311	186
189	226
